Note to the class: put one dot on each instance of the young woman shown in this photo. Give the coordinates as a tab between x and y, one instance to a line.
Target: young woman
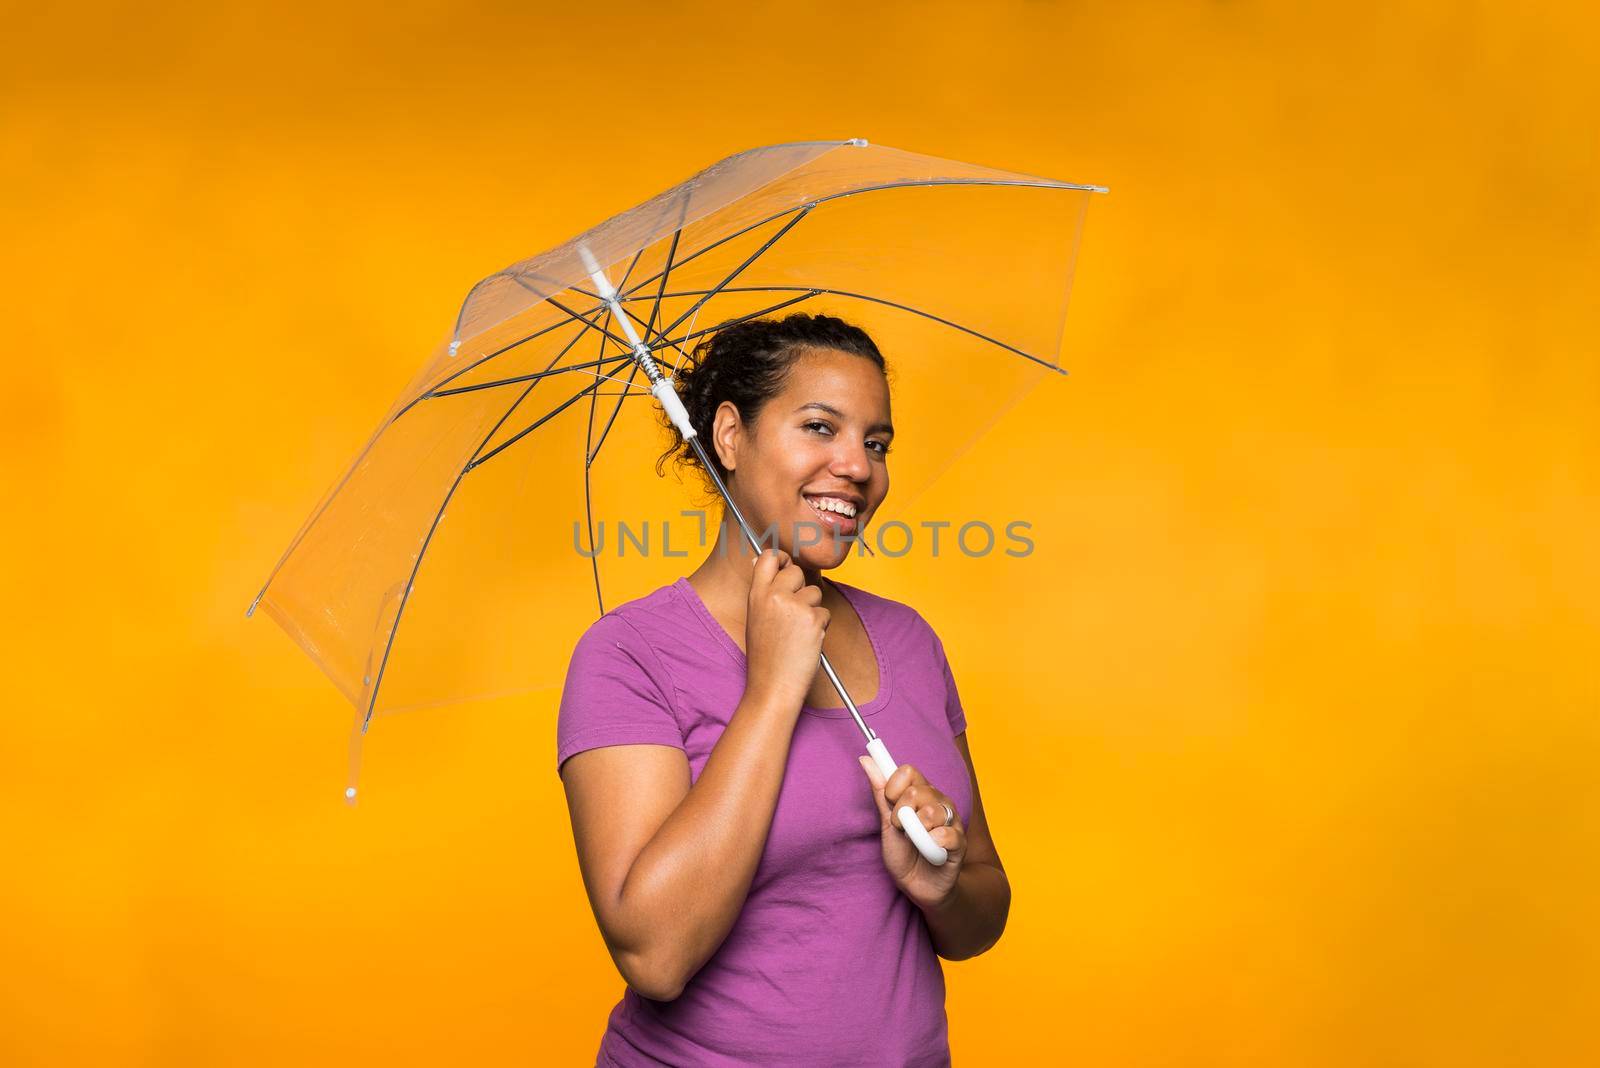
756	894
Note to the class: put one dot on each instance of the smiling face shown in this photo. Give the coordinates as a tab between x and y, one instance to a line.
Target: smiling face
815	464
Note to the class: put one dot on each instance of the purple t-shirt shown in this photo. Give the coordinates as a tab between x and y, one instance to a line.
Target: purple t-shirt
828	962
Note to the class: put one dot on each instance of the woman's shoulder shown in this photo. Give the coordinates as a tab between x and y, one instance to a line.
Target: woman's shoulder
618	689
633	637
660	611
636	632
886	616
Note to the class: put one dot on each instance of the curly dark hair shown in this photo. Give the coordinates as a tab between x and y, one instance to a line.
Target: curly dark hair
748	363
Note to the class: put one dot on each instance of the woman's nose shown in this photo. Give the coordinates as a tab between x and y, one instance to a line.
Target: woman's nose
851	461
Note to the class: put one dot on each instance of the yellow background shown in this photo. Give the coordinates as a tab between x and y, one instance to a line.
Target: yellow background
1291	750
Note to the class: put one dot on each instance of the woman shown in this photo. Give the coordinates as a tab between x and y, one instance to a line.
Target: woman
756	895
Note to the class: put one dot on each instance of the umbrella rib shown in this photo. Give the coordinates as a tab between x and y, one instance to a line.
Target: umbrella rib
672	252
666	342
625	391
718	243
631	265
622	343
650	326
537	423
1041	184
807	295
474	462
592	453
591	447
572	316
811	291
344	479
579	336
650	331
588	441
588	511
406	597
737	271
416	565
531	376
434	391
439	514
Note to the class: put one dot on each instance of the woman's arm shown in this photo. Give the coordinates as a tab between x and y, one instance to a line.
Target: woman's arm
972	919
667	866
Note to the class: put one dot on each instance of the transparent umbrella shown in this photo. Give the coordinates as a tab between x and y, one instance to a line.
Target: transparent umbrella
466	547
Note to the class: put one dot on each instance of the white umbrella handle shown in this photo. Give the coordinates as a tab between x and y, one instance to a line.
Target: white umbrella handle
931	851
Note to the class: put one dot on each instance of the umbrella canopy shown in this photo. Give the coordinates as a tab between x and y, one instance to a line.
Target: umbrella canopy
510	494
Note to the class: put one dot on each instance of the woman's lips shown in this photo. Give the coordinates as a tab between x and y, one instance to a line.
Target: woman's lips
839	524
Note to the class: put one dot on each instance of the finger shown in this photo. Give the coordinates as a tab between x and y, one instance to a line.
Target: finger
875	777
952	839
908	776
812	595
792	577
920	796
933	816
773	560
766	566
904	777
872	772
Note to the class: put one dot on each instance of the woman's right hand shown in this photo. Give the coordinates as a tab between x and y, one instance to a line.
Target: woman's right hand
783	630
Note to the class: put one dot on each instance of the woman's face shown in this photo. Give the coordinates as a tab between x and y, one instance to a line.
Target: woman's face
814	466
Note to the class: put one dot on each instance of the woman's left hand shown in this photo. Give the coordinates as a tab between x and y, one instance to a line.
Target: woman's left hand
927	886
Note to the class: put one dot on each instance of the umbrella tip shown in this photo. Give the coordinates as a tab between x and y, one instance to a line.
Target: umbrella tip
455	346
859	142
349	793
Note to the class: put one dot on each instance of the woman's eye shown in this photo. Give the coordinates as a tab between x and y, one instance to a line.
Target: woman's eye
880	447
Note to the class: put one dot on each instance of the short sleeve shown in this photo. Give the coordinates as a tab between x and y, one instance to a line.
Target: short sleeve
617	692
952	697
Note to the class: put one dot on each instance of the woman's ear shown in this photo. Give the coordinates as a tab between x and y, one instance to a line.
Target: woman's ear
726	429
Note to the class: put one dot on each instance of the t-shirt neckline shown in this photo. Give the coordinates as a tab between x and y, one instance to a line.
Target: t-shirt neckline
885	673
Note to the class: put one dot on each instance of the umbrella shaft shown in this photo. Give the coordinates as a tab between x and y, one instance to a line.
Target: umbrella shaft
833	676
666	393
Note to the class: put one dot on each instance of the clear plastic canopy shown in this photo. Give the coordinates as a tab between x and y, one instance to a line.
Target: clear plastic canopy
510	495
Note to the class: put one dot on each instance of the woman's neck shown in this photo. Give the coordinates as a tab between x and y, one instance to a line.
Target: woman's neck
723	579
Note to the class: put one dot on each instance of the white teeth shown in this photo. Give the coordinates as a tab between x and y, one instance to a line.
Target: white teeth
833	504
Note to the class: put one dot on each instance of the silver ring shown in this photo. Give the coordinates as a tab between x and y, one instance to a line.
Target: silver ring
949	814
